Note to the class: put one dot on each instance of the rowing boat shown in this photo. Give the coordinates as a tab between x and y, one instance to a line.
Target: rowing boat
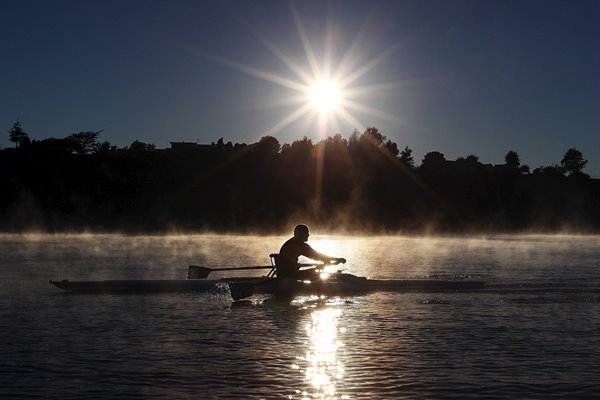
338	284
334	284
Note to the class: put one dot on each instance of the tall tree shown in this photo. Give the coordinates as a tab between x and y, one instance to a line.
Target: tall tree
572	162
407	158
17	135
392	148
374	137
512	160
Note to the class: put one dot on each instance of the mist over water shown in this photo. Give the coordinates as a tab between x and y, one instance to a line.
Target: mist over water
532	333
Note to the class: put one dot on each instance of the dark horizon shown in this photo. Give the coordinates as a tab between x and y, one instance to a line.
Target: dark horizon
366	183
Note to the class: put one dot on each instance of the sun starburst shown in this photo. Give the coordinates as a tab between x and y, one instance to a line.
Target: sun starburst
325	93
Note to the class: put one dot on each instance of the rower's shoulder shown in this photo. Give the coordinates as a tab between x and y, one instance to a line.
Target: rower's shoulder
289	241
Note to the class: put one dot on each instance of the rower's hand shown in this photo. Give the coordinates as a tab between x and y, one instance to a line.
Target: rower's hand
340	260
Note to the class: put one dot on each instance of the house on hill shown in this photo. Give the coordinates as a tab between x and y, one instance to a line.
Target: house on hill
188	146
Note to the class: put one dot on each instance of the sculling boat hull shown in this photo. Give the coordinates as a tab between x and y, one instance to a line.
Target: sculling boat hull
341	285
139	285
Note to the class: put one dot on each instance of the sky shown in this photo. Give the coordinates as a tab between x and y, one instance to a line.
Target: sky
460	77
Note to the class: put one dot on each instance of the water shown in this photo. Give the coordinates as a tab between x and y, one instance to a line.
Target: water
534	333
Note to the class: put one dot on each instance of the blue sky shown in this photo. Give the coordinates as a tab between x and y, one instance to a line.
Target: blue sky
460	77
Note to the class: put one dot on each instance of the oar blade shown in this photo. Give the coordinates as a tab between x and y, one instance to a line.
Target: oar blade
198	272
241	290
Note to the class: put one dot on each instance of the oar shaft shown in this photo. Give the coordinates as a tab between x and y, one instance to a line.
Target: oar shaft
198	272
250	267
236	268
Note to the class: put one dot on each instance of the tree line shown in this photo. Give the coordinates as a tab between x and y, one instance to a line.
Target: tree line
363	183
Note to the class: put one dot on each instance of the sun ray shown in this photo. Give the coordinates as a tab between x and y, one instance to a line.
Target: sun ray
276	103
357	91
294	67
268	76
349	118
289	119
369	110
329	39
351	54
322	125
335	122
308	125
319	178
367	67
312	60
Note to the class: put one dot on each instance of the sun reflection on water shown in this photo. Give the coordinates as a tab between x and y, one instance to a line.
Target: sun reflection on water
321	367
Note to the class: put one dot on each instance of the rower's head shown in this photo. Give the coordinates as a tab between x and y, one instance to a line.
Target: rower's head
301	232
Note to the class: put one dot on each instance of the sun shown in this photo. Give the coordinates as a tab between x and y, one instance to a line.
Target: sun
327	90
325	96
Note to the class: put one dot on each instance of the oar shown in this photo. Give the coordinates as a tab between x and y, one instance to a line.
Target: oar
198	272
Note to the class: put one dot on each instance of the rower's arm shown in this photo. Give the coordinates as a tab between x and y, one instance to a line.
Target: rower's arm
315	255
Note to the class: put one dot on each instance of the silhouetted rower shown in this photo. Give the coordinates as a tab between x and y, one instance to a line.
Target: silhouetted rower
287	261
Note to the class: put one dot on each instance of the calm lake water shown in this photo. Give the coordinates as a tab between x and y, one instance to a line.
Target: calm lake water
533	333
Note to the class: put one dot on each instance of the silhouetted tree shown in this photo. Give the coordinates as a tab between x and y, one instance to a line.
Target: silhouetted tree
337	139
433	160
472	159
551	171
512	160
373	136
220	146
85	142
299	155
224	187
17	135
268	145
572	162
392	148
105	147
407	158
